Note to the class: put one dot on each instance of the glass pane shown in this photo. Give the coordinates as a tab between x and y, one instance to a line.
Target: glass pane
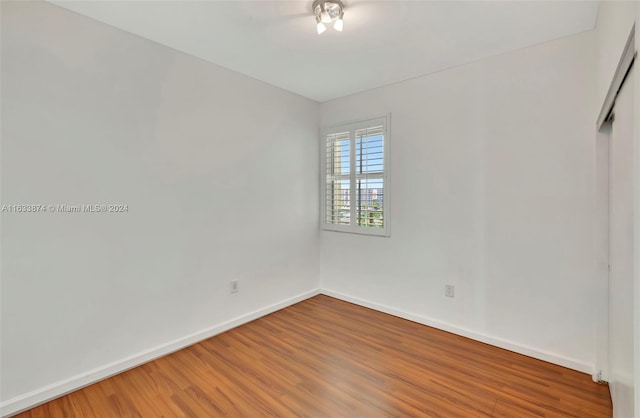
369	149
338	202
338	154
338	185
370	202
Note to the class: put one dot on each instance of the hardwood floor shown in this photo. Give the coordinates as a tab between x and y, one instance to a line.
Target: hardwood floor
328	358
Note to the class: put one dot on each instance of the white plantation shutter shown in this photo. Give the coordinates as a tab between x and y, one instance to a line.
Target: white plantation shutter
355	177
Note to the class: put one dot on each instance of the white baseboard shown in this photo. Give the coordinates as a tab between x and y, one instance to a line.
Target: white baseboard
39	396
474	335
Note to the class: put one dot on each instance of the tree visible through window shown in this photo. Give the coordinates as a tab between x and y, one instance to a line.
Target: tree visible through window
355	177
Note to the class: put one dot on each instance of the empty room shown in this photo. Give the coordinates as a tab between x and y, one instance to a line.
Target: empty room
319	208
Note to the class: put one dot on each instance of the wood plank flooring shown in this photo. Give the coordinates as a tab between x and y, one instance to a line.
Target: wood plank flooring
327	358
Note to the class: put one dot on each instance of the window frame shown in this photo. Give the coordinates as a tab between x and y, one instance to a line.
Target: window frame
352	127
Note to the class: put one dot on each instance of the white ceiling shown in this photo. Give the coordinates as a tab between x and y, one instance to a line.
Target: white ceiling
383	41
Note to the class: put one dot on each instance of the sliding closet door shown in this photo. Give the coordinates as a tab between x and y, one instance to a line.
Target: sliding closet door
621	330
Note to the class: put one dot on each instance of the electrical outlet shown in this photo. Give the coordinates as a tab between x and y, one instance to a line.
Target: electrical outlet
234	286
449	290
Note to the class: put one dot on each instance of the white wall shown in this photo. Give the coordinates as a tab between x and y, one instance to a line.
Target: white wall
219	172
492	175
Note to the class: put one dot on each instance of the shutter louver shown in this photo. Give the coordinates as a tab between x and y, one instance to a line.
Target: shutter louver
338	179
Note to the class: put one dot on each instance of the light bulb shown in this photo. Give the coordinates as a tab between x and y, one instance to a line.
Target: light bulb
325	17
339	24
320	27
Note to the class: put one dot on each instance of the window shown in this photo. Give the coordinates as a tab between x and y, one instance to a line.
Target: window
355	189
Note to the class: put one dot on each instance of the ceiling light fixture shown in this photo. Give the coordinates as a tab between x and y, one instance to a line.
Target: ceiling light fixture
320	27
328	11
